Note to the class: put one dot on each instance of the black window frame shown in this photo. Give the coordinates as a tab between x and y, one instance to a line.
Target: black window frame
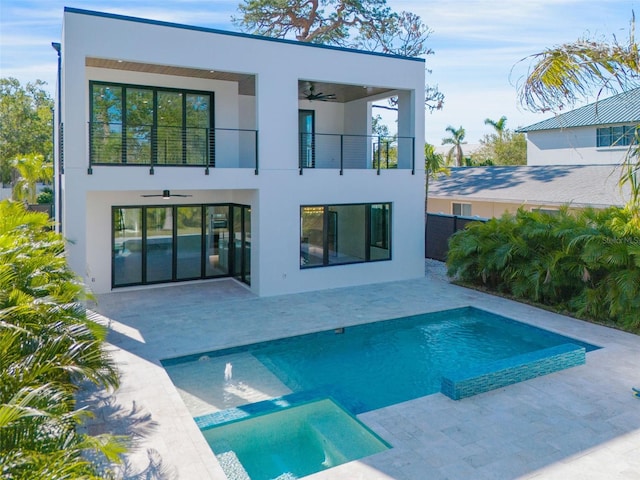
153	160
239	272
331	235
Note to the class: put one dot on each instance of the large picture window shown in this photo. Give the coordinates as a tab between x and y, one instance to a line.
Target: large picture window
142	125
618	136
340	234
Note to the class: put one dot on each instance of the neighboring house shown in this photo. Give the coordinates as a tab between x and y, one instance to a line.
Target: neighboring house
186	153
490	191
598	133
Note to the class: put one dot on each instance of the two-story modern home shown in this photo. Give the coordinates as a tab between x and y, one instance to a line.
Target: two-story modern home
596	134
186	153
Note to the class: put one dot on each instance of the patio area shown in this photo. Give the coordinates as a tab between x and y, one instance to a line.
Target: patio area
581	423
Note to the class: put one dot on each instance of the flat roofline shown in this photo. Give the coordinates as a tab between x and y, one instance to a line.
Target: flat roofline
160	23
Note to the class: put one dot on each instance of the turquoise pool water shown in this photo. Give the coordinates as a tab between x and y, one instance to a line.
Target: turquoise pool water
382	363
362	368
292	442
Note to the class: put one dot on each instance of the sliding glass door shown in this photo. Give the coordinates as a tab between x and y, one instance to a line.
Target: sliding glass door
168	243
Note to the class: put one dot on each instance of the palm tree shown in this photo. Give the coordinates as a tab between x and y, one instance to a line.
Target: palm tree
498	125
32	169
562	75
49	346
434	165
456	139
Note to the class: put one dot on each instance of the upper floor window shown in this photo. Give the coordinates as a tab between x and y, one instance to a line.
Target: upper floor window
618	136
144	125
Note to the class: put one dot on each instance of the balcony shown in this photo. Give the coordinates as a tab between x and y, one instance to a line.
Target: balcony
358	152
113	144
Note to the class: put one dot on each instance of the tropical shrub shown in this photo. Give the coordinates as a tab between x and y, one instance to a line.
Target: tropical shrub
585	263
48	348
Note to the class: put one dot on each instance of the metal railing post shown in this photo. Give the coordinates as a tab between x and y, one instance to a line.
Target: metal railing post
378	173
90	169
256	153
413	155
387	152
341	154
300	149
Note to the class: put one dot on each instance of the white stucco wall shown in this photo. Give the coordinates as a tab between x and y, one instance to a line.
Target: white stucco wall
572	146
277	192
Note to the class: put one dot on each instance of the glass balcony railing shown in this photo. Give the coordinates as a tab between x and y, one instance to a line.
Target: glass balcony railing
339	151
155	146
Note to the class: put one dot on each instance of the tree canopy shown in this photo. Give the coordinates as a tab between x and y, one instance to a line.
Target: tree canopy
503	147
363	24
25	123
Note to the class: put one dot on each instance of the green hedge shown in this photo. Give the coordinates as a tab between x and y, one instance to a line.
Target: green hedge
586	263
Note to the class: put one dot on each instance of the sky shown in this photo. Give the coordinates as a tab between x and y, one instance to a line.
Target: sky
480	47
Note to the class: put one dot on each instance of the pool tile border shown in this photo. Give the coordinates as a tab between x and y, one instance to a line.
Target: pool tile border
490	376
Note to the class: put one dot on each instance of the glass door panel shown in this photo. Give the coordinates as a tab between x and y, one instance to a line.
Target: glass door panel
106	124
347	234
198	116
306	129
139	124
236	248
217	238
311	236
159	244
188	242
242	243
127	246
246	245
170	139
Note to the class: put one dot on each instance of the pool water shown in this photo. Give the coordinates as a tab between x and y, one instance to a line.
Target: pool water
293	442
382	363
362	368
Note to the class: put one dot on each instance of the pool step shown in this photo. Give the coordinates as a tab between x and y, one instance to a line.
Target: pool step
342	444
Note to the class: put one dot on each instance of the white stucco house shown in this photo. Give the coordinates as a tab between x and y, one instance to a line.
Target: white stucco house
596	134
187	153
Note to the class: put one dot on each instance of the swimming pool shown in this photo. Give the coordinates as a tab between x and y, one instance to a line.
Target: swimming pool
367	366
361	368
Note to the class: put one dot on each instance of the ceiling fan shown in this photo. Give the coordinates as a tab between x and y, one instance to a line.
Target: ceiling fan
311	94
166	194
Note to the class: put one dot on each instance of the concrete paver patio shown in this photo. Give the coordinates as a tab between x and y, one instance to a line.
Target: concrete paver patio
579	423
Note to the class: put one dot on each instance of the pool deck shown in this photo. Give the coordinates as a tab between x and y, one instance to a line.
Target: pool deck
580	423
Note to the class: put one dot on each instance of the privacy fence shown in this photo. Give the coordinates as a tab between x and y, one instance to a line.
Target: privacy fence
438	229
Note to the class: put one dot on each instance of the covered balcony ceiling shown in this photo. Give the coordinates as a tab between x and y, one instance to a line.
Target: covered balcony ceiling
246	82
340	92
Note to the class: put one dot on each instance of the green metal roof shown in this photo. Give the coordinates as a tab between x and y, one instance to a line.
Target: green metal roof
623	108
